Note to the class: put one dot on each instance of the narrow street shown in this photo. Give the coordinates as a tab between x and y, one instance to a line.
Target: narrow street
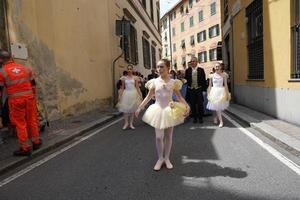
210	163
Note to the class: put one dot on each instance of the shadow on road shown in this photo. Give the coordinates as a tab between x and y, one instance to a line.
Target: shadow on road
206	169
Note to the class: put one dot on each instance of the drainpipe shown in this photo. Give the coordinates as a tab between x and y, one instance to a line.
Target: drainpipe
171	47
232	60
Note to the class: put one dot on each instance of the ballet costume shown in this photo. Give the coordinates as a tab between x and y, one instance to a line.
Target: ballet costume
218	99
130	99
163	115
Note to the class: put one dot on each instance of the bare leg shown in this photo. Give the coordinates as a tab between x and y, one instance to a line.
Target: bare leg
160	148
131	121
219	114
168	146
126	115
215	117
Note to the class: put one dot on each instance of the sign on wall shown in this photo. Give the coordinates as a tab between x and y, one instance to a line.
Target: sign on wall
19	51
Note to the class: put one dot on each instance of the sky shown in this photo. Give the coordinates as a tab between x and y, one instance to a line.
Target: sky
165	5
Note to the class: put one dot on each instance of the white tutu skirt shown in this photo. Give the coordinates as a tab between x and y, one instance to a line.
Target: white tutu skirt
129	101
161	118
217	99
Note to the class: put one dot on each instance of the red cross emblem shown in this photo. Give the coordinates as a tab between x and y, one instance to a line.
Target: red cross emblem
16	71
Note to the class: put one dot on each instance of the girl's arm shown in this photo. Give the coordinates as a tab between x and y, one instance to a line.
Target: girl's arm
149	96
137	86
209	84
121	89
226	87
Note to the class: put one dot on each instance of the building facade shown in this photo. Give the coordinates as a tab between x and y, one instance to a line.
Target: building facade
166	37
195	31
261	44
71	46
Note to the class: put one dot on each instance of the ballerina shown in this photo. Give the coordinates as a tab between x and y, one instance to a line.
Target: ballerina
218	94
129	97
164	114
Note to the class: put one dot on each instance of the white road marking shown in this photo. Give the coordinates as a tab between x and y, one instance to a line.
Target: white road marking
293	166
51	156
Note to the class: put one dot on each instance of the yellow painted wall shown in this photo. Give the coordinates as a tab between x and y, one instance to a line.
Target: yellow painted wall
277	45
71	46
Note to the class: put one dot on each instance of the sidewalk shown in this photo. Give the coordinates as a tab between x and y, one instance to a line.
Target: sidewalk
59	132
283	133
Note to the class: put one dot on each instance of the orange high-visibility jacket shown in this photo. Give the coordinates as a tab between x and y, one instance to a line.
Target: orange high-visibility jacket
17	79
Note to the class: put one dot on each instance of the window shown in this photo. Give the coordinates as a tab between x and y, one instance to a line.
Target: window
166	50
153	56
201	36
144	2
175	63
151	10
296	41
4	42
201	16
182	44
174	47
213	54
173	31
192	40
183	60
181	10
190	3
213	9
159	53
131	47
202	57
254	13
158	16
191	21
182	27
174	15
166	36
146	53
214	31
165	24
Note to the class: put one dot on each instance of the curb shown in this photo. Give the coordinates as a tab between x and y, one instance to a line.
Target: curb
82	130
265	133
245	123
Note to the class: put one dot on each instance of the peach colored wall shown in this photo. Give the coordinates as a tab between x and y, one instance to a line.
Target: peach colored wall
208	22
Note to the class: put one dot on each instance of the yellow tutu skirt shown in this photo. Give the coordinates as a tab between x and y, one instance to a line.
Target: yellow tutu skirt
217	99
129	101
162	118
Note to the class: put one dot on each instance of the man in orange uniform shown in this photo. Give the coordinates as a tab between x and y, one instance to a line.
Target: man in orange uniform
18	81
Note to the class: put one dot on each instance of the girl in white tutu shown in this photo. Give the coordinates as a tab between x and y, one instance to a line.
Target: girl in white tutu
129	97
218	95
164	114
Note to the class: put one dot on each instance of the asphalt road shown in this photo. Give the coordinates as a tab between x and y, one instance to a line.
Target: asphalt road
210	163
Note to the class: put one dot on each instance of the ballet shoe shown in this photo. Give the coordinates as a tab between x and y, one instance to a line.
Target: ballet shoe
132	127
221	125
125	127
158	165
168	164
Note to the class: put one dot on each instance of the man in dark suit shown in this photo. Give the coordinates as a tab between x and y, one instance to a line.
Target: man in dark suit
152	75
196	81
